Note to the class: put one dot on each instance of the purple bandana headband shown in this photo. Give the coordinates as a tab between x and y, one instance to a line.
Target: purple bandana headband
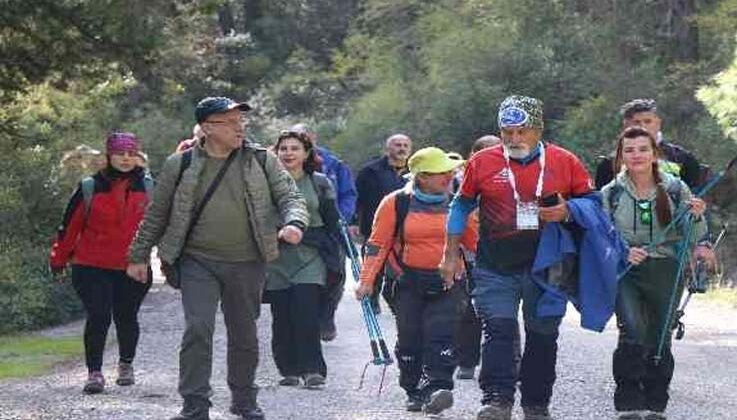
122	142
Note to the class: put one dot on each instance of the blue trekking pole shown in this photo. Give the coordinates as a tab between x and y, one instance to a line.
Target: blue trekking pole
665	328
379	350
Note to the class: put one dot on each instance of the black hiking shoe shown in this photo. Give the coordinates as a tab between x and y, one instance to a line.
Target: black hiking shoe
248	413
654	415
95	383
289	381
630	415
414	404
126	376
439	400
194	409
537	413
313	380
495	409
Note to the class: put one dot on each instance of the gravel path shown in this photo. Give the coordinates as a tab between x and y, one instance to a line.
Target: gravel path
704	386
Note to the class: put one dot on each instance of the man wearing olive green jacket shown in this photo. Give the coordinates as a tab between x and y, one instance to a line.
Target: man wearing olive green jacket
254	204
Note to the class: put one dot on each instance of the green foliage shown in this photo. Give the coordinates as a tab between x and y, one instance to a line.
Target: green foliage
720	97
22	356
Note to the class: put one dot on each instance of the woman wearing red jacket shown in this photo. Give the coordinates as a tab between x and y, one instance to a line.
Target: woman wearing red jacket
99	224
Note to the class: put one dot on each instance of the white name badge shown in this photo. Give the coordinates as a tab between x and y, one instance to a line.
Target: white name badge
528	216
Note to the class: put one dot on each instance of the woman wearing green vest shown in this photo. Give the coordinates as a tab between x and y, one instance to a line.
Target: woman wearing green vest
294	281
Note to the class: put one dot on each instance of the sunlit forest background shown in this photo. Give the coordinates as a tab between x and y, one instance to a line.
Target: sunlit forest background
357	70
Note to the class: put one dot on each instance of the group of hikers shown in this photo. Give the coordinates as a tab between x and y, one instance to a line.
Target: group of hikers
452	245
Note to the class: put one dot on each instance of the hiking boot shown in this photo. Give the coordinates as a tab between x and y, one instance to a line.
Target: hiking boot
194	409
654	415
495	410
537	413
247	413
414	403
95	383
289	381
126	377
313	380
630	415
328	332
440	400
466	373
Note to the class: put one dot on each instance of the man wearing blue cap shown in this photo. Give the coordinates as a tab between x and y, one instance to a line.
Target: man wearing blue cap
518	186
218	211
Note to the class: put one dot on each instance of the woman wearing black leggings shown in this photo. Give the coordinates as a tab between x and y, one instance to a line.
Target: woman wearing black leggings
99	224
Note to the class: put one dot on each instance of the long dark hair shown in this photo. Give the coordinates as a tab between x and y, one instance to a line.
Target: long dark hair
310	164
662	208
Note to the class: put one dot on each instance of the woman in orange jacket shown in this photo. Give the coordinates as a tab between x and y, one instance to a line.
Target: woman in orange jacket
407	240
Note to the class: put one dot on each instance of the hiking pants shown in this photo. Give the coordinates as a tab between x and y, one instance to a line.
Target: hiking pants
237	286
496	298
330	296
109	294
295	330
642	301
425	350
467	332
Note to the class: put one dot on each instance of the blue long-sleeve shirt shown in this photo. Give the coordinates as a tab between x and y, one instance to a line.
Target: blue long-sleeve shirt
342	180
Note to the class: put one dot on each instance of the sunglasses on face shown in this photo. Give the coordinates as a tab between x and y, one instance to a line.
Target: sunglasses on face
646	212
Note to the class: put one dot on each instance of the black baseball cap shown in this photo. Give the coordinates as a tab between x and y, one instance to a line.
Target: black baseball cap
216	105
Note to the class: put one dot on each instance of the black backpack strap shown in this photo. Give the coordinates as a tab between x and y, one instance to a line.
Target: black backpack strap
613	200
183	165
401	209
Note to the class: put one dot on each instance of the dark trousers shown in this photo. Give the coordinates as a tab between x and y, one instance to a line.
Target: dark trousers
237	287
295	330
467	333
425	350
642	301
330	298
496	297
109	295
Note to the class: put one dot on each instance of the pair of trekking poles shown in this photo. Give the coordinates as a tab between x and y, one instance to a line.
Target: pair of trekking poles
669	321
379	350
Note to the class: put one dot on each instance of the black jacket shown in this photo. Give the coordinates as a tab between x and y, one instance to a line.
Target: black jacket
690	170
374	181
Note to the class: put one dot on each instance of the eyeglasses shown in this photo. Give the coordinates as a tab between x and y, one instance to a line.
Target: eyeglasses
646	212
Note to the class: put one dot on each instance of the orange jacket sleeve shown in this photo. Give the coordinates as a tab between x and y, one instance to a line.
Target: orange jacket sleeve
381	241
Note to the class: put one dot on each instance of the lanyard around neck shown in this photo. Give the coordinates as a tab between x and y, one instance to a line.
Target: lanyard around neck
513	181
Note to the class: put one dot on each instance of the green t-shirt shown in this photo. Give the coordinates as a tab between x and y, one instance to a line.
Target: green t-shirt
223	232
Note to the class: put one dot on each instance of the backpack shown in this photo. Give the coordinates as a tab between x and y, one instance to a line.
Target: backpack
88	191
673	191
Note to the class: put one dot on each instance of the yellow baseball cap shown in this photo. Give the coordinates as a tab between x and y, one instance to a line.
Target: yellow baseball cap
431	160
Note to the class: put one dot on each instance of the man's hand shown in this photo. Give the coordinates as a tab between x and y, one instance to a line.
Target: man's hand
138	272
448	267
707	254
556	213
290	234
698	206
363	290
637	255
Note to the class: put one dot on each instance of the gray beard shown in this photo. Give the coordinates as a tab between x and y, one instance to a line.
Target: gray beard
517	152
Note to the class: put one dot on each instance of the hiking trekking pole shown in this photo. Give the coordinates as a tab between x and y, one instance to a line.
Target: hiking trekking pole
681	213
698	284
665	328
379	350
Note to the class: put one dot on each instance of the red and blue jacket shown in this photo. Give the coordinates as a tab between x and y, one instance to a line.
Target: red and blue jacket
101	237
